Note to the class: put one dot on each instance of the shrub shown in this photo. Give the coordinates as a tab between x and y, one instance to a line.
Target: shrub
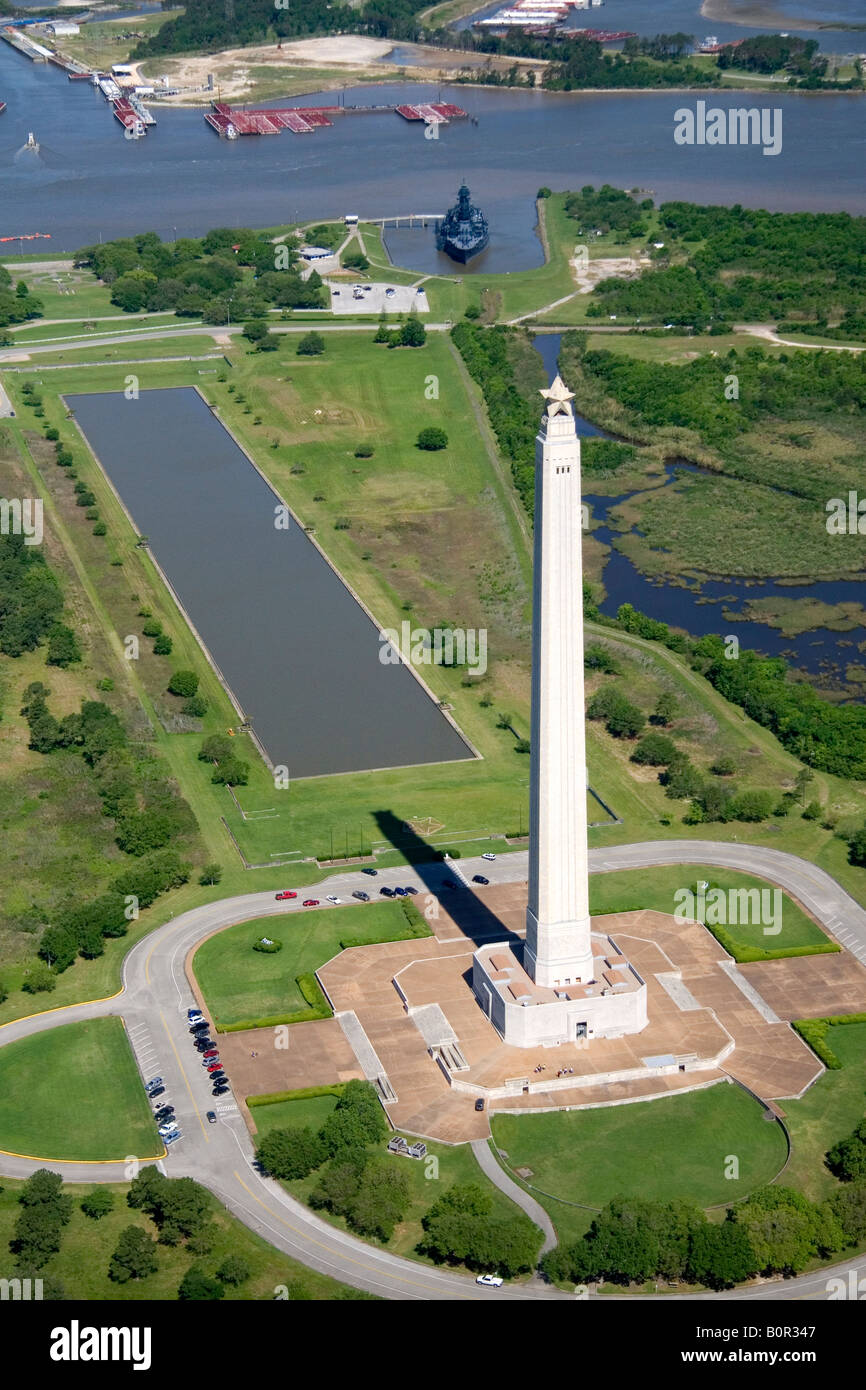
311	345
163	645
432	438
267	946
654	750
196	707
233	772
183	682
152	628
100	529
364	451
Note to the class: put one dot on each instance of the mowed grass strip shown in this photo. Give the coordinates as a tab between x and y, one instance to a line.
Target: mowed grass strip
75	1093
829	1111
656	888
677	1146
240	983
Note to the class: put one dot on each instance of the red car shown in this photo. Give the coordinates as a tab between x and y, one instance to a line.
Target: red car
311	902
215	1066
287	893
211	1053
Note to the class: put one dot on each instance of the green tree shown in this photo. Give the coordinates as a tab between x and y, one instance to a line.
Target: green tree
233	1270
210	874
63	648
198	1286
232	772
413	333
98	1203
134	1256
666	709
847	1159
311	345
216	748
291	1153
721	1256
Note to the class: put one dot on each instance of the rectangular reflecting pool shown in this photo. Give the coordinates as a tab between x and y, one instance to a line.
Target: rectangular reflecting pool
295	647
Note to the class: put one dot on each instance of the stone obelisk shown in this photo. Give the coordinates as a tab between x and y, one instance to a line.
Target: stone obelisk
558	948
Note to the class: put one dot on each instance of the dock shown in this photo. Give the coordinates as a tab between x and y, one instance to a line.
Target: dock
25	45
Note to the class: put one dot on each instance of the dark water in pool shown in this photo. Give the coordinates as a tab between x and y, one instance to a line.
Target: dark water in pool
700	609
297	650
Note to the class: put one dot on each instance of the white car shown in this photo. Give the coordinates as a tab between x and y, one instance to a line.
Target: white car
329	898
168	1128
490	1281
488	856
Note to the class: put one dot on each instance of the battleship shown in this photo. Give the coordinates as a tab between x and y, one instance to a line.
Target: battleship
463	231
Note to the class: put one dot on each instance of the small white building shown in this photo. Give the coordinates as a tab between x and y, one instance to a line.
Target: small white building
315	253
63	29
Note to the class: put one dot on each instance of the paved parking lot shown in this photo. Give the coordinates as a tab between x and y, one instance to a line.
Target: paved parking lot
376	298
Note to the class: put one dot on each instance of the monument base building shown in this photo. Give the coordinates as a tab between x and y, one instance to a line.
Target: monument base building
526	1014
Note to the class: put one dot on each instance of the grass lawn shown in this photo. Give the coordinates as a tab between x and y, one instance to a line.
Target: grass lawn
90	1103
240	983
656	888
677	1146
829	1111
81	1264
293	1114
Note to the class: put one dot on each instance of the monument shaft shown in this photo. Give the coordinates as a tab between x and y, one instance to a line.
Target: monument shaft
558	937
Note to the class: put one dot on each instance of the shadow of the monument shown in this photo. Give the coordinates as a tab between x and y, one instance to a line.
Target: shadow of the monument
467	910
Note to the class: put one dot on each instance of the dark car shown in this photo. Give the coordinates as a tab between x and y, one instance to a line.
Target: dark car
371	872
387	892
211	1117
400	893
203	1044
479	878
364	897
449	883
165	1112
220	1091
160	1091
200	1027
218	1075
479	1104
411	889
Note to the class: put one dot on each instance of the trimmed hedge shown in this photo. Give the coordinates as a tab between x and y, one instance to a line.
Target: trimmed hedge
814	1032
305	1093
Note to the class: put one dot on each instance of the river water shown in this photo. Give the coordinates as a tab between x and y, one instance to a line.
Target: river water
295	647
89	182
702	608
684	17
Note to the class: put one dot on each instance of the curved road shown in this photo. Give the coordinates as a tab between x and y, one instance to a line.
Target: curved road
155	997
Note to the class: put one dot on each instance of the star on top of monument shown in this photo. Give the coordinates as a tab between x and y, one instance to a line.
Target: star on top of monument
558	396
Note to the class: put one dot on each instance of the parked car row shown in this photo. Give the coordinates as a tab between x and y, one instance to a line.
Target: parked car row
210	1057
406	892
166	1124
